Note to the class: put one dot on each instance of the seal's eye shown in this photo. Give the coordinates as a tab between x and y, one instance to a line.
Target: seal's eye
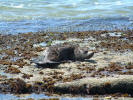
85	52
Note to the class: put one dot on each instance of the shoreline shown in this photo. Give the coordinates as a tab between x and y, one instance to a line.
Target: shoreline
113	60
109	23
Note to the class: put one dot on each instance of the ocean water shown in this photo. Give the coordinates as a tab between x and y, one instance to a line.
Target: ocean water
19	16
39	96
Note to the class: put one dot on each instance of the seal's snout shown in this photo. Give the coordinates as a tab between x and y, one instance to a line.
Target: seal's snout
89	55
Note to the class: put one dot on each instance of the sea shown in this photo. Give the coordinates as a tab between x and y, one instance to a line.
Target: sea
21	16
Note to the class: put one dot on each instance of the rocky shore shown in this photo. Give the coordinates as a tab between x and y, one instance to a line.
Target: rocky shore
109	71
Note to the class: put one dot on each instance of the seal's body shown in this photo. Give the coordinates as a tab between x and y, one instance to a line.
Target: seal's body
58	54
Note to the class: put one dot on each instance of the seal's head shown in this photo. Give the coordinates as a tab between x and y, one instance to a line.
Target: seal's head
82	53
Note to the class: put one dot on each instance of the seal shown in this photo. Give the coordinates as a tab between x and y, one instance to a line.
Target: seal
55	55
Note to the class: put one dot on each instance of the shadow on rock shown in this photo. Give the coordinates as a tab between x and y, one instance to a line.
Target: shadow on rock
47	65
91	61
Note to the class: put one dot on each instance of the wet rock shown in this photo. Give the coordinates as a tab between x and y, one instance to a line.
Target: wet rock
109	70
97	86
12	70
27	76
15	86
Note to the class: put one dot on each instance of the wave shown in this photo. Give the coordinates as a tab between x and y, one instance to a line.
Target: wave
17	6
80	9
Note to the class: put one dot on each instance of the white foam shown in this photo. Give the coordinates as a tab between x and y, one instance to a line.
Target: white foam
17	6
96	3
118	3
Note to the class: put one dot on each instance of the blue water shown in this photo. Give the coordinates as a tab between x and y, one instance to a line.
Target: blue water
38	97
19	16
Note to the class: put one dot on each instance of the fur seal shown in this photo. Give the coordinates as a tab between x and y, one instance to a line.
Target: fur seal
55	55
